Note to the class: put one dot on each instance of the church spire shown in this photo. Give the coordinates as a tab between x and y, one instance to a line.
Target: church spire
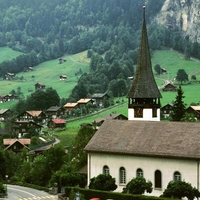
144	91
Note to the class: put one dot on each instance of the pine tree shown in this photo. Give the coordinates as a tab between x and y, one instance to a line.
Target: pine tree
178	106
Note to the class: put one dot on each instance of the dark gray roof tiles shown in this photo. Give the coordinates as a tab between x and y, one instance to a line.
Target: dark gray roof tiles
143	138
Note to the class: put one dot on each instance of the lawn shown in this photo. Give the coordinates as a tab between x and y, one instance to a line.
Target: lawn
8	54
48	73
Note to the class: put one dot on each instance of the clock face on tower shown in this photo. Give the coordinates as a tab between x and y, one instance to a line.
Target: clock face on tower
138	112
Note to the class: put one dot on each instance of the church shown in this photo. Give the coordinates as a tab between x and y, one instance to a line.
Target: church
143	145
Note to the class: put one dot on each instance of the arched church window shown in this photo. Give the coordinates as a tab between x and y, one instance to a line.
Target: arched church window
158	179
122	175
106	170
177	176
139	172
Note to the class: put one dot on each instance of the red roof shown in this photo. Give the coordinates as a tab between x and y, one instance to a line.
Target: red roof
59	121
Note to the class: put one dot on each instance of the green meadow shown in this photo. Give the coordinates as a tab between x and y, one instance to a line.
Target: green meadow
49	72
7	53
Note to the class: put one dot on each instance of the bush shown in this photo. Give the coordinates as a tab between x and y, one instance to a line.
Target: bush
103	182
3	189
179	189
138	186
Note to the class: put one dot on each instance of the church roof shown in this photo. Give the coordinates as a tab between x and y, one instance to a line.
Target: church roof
143	138
144	85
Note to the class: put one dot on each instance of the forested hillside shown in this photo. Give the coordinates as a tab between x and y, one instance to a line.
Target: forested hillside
109	30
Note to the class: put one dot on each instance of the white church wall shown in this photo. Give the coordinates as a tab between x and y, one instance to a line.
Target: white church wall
147	115
187	168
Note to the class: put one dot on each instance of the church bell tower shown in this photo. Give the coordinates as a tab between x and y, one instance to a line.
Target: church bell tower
144	95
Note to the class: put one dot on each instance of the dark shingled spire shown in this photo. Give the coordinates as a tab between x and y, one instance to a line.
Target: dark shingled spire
144	85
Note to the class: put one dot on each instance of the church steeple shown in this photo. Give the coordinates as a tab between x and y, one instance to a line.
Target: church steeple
144	95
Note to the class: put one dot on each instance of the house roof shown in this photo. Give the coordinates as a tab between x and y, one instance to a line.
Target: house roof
140	138
110	116
196	108
53	108
34	113
59	121
83	100
12	141
144	85
70	105
4	110
98	95
168	104
169	85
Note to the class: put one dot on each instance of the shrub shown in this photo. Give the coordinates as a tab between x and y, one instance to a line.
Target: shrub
179	189
138	186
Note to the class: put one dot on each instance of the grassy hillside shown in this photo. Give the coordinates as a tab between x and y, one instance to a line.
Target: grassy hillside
8	54
48	73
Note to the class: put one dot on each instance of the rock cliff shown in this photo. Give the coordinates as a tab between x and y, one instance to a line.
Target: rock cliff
181	14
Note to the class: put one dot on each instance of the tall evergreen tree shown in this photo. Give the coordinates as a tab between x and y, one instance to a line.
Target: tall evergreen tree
178	106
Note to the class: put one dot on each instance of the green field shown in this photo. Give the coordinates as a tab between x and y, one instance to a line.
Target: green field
8	54
48	73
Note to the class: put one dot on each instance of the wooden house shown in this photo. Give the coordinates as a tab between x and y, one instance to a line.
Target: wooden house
33	115
5	113
56	123
169	87
84	102
55	112
23	127
99	121
39	86
9	76
69	107
16	145
63	77
98	98
166	110
195	110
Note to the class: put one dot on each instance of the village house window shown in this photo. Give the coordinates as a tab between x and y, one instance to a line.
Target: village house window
158	179
122	174
106	170
154	112
139	173
177	176
138	113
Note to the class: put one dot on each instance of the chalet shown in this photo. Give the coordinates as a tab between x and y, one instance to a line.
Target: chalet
69	107
23	127
169	87
166	110
98	98
142	145
33	115
3	98
62	60
39	86
16	145
195	110
5	113
63	77
9	76
56	123
99	121
84	102
55	111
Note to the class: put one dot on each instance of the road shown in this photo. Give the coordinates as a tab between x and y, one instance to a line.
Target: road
16	192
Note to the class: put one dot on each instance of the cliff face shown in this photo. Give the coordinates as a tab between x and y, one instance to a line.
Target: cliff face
181	14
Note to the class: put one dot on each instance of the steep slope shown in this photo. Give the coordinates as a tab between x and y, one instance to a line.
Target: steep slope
181	14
